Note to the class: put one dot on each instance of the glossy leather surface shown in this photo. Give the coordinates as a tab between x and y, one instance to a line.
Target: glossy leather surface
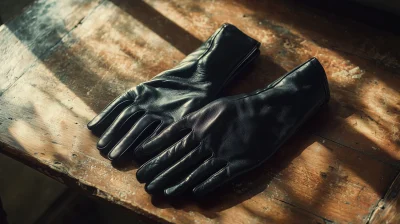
151	106
232	135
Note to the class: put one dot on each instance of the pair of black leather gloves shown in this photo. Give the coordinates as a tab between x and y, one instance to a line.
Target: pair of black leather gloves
186	138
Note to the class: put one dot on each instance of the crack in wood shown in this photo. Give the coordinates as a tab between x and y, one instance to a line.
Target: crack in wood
370	155
327	221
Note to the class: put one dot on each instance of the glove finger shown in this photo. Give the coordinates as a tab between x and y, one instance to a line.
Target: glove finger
142	158
179	169
214	181
103	120
163	140
204	171
165	159
119	128
140	131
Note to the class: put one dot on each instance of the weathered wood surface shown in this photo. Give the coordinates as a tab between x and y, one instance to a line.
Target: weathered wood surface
26	38
76	56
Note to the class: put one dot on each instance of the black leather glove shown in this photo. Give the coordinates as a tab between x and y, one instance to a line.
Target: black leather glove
232	135
151	106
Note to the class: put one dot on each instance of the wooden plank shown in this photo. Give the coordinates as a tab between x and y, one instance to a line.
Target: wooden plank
27	37
311	180
388	210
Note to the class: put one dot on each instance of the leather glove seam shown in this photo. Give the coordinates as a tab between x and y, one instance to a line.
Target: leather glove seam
173	123
191	130
205	161
237	69
231	75
120	126
176	78
103	118
177	162
150	136
215	174
126	148
173	145
212	43
324	80
196	62
274	84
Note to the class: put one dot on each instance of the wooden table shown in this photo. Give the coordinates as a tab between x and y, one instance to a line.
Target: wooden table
61	62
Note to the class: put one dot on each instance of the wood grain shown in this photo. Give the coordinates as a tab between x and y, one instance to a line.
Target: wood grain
336	169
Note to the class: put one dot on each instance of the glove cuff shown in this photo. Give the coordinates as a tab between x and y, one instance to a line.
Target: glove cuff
216	61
